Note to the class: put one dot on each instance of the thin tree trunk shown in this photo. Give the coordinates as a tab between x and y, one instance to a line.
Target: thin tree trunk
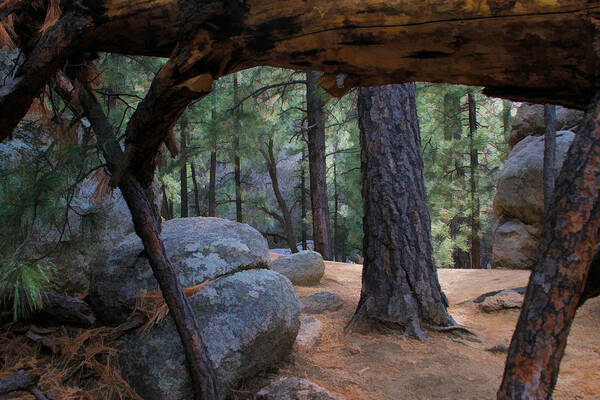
196	189
212	185
236	151
549	153
400	286
474	165
335	206
286	219
560	274
317	166
303	198
164	207
506	120
147	226
184	176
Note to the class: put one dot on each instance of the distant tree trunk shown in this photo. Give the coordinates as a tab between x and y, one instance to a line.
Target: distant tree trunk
453	131
212	184
336	200
303	198
184	176
317	165
562	269
286	218
400	286
236	151
474	165
164	206
196	189
506	120
549	153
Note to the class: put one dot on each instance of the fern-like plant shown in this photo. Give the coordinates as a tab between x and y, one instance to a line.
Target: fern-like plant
22	284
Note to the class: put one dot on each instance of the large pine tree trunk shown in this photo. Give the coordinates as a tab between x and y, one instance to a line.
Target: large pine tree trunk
317	166
557	283
400	286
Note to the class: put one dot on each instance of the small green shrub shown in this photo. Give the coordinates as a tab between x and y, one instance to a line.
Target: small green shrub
21	286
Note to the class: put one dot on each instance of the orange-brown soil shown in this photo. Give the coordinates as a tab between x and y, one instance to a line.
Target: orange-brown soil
389	366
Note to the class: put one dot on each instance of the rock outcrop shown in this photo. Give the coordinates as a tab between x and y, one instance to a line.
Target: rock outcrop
519	201
321	302
309	334
504	300
199	249
249	321
305	268
248	314
529	121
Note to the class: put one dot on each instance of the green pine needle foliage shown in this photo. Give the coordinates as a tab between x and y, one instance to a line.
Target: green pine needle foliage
22	286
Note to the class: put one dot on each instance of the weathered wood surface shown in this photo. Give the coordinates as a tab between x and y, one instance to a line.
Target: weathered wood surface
540	50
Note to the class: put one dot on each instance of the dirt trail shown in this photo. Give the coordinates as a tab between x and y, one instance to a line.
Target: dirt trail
389	366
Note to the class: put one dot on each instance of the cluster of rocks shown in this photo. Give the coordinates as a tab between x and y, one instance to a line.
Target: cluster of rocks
248	312
519	200
248	315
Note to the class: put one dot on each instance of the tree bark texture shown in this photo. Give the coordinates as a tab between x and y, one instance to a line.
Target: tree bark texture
399	282
559	276
474	166
549	153
147	226
317	166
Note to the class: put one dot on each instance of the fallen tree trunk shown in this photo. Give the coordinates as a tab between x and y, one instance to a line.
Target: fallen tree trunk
64	310
407	39
21	382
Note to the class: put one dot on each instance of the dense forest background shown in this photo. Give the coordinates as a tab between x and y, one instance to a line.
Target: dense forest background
242	154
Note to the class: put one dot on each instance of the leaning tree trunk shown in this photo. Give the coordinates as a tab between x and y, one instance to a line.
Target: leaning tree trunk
286	216
146	222
400	286
317	167
559	277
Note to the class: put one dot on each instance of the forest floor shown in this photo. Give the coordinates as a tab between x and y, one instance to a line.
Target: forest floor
389	366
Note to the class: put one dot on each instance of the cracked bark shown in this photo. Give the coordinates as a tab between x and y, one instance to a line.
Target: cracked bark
560	275
400	286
